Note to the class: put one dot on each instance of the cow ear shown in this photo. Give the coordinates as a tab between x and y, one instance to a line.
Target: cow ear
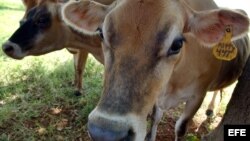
83	15
209	26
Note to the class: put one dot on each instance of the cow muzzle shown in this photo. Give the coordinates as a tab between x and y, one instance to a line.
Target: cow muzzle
107	127
99	133
13	50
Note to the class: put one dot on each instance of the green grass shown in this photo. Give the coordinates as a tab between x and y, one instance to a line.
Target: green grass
11	5
36	93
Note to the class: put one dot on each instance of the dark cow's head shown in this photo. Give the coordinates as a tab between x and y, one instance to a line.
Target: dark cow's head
143	40
40	31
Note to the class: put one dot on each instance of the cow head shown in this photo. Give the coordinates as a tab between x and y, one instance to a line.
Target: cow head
40	31
143	41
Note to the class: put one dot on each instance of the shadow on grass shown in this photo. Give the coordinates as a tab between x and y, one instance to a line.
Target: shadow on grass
37	91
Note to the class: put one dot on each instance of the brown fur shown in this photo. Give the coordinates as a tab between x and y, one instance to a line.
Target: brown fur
134	77
140	73
58	36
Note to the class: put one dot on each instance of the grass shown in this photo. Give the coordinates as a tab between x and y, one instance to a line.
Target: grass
11	5
36	93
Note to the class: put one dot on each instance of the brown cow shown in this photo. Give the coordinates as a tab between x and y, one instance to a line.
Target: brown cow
33	39
157	52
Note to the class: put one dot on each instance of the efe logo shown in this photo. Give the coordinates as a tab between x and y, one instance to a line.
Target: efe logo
236	132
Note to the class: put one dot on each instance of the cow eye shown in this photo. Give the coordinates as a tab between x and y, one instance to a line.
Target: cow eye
176	46
43	21
99	30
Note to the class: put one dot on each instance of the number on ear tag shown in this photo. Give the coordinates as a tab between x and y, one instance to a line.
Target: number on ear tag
226	50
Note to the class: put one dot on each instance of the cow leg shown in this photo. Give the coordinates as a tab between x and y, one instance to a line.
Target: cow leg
190	109
155	120
80	59
213	106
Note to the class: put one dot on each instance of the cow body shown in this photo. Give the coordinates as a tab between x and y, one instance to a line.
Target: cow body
31	39
157	52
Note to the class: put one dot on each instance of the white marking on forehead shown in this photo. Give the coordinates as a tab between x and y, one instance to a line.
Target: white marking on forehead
138	124
171	35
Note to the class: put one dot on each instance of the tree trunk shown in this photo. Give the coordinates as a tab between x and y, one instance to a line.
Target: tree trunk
238	109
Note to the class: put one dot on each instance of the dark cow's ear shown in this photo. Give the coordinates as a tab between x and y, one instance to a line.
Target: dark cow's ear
209	26
84	16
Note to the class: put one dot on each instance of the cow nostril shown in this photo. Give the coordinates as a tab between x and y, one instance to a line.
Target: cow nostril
130	135
8	48
100	134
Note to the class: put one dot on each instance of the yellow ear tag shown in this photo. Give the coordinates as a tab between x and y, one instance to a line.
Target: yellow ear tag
225	50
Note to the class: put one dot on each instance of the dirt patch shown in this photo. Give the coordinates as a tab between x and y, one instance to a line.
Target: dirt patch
165	130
